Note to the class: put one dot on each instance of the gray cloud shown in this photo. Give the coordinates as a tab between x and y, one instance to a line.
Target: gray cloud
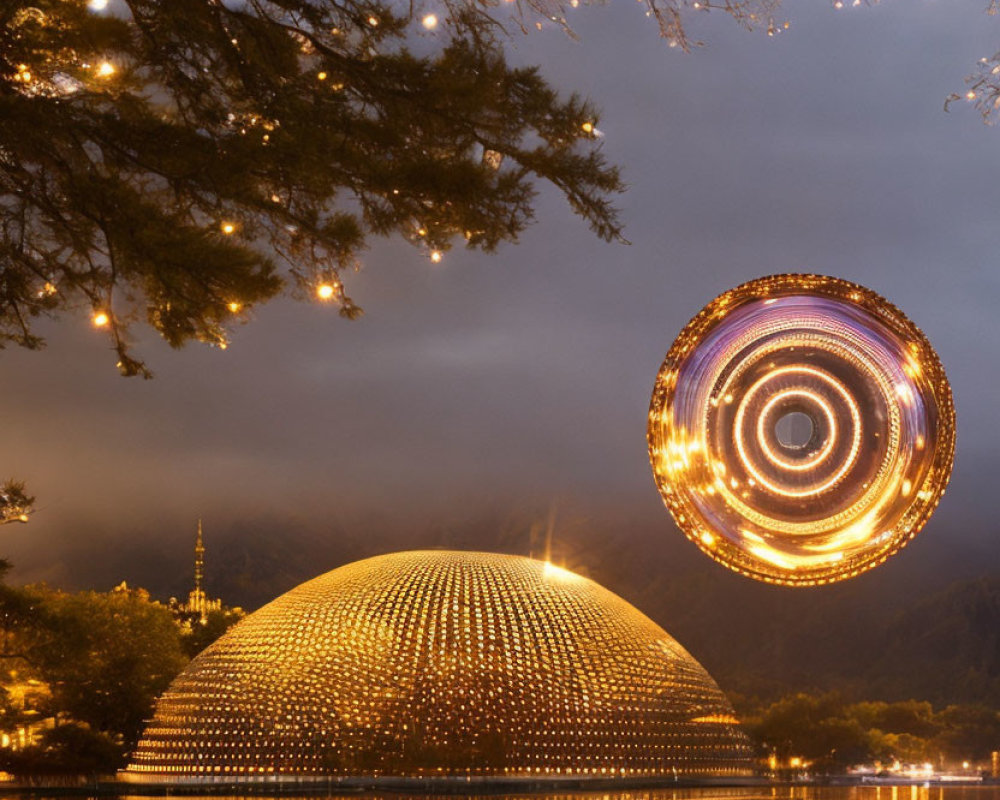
510	380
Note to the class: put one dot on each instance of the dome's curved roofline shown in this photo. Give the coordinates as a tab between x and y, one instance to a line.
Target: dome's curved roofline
442	664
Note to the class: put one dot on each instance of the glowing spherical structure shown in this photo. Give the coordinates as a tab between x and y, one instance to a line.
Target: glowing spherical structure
801	429
442	664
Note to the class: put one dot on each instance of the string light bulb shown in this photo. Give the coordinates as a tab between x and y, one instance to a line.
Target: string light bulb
234	307
105	69
587	127
436	256
100	319
325	291
228	228
430	21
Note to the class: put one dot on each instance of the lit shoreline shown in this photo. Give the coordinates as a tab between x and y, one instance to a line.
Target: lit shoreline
469	785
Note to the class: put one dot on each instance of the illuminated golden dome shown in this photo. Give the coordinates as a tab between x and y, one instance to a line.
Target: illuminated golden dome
801	429
442	663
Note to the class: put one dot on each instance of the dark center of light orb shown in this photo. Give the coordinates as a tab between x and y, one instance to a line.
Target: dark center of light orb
794	430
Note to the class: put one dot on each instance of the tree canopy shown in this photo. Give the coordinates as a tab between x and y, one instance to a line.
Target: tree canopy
15	503
832	733
180	163
183	162
93	661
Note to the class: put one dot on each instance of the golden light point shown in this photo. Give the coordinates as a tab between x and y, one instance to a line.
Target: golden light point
373	21
49	288
970	95
234	307
321	76
22	518
325	291
587	127
436	256
100	319
228	228
430	21
105	69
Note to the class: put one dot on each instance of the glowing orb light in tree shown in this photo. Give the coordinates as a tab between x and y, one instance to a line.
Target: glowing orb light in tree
801	429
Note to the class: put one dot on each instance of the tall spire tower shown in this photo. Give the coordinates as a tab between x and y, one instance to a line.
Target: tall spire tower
199	561
198	604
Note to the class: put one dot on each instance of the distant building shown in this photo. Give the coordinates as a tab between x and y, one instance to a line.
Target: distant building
199	604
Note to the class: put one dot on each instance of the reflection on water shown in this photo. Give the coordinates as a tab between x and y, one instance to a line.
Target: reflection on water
980	792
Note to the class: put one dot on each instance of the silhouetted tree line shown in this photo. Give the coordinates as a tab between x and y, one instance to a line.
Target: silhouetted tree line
832	733
79	674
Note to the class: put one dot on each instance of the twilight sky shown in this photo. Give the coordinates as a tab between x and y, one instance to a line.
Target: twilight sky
512	385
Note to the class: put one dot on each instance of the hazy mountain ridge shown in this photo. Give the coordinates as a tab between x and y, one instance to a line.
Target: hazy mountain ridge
904	630
923	625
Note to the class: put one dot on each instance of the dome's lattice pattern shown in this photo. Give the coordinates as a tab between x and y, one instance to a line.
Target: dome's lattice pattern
442	663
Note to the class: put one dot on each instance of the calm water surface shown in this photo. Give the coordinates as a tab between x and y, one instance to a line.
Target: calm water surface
751	793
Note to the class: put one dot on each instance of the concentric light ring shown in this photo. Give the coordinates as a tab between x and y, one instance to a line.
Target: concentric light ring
878	456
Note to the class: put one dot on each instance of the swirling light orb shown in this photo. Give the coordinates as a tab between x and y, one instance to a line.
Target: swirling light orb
801	429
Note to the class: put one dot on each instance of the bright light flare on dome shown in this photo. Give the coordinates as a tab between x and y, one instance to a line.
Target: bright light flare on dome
801	429
555	572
